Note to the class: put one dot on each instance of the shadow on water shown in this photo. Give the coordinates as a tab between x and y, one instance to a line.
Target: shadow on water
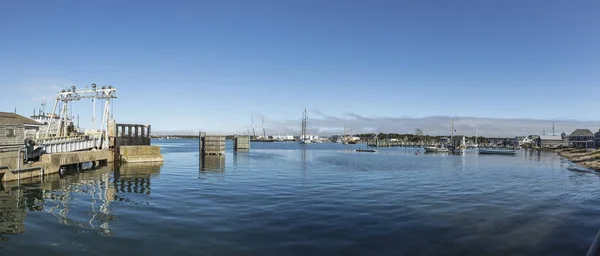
94	190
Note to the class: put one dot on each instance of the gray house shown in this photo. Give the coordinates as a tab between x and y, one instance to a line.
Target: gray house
14	129
551	141
597	139
581	138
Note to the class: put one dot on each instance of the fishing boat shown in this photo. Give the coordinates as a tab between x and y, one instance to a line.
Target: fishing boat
457	150
365	150
439	149
497	152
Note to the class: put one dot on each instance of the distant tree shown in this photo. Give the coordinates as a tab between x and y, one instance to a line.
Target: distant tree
418	132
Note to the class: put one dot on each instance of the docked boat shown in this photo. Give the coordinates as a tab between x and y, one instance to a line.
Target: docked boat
305	141
458	150
438	149
497	152
366	150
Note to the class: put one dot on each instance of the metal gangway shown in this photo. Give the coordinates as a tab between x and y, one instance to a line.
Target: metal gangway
70	143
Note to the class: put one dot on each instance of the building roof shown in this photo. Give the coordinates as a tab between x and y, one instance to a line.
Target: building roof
12	118
550	137
581	132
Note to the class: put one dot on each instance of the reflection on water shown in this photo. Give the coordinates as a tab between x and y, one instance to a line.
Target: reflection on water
94	191
12	212
212	163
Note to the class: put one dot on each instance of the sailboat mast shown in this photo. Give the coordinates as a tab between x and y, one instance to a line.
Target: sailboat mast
253	131
305	120
476	134
352	135
263	126
303	132
452	133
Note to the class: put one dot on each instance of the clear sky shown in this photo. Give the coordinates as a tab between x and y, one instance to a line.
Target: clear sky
210	65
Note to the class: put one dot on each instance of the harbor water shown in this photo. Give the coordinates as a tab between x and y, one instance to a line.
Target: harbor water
315	199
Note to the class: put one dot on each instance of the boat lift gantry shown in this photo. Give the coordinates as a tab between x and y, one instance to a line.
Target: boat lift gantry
64	97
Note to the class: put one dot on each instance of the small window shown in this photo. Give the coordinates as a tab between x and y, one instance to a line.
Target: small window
10	133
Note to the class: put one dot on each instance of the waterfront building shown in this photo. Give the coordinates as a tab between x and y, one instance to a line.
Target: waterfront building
14	129
551	141
522	140
581	138
444	140
597	139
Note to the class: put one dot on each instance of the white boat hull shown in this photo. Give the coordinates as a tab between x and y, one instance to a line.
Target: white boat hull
434	149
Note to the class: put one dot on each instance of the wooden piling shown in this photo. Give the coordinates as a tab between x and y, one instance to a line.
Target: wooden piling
241	143
212	144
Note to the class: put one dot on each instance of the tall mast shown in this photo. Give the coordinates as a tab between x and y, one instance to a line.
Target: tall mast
351	134
304	124
253	131
476	133
263	126
452	133
304	118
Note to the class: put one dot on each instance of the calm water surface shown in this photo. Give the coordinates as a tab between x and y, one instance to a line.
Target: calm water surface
320	199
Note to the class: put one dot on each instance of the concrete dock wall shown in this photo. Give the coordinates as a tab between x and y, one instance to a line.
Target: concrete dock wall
51	163
140	154
9	159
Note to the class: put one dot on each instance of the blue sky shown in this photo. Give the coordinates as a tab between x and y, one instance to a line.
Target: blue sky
210	65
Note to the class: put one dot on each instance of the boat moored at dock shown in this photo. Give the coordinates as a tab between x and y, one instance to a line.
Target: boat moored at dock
497	152
436	149
366	150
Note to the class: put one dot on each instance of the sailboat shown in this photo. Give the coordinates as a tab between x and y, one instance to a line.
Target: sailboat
351	139
476	145
439	149
345	138
303	138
